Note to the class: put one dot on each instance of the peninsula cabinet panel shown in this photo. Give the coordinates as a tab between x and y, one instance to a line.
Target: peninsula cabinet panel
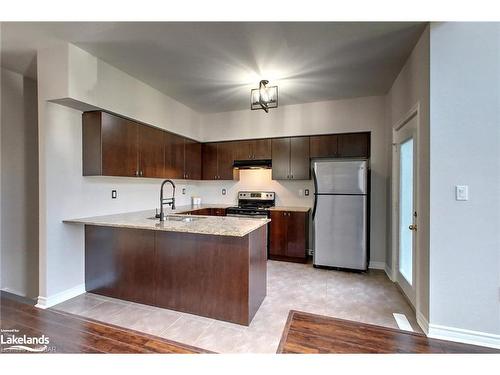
323	146
299	158
354	145
192	159
151	152
119	263
281	158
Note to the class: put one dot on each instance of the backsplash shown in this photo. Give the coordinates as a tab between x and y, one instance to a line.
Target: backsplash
288	193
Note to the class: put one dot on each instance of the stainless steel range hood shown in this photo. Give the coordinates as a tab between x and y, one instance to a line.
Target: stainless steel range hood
253	164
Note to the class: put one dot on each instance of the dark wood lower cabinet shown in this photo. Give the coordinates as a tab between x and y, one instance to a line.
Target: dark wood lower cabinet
289	236
221	277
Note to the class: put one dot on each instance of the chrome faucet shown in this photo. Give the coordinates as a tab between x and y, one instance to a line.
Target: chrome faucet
169	201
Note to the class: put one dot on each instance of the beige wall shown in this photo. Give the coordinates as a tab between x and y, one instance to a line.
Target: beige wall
410	88
19	185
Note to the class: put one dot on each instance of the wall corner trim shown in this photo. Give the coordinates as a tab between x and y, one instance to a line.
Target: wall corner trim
465	336
46	302
422	322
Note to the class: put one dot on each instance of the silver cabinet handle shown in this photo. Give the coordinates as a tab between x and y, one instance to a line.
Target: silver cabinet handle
140	173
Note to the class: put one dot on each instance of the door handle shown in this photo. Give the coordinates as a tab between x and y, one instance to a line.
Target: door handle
413	227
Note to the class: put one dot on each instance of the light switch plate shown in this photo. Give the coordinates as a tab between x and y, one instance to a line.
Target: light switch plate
461	192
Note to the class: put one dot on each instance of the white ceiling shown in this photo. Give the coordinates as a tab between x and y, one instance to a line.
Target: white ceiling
211	67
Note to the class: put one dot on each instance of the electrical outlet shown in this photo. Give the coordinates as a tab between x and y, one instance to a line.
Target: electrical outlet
224	191
114	194
306	192
183	191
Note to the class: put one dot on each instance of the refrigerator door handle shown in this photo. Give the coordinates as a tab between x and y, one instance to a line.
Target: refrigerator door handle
315	192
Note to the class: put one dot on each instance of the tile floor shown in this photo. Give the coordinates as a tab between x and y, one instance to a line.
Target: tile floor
370	298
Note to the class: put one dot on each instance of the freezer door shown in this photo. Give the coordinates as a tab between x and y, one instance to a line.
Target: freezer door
340	176
340	231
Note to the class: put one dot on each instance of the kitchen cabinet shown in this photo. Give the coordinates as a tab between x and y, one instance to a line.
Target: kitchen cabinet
256	149
182	157
290	158
110	145
151	152
354	145
323	146
218	158
289	236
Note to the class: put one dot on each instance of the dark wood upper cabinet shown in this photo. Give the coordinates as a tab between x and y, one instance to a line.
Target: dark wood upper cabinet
281	158
323	146
174	156
290	158
299	158
218	158
225	159
354	145
260	148
192	159
151	152
209	157
289	235
110	145
242	150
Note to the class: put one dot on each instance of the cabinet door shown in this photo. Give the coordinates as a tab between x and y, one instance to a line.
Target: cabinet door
225	159
192	160
174	155
354	145
299	158
260	149
209	157
297	234
242	150
280	148
120	151
323	146
278	234
151	152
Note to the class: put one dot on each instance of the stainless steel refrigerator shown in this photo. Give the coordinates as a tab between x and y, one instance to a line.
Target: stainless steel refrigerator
340	213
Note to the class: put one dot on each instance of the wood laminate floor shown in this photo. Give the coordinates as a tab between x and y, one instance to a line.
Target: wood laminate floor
68	333
309	333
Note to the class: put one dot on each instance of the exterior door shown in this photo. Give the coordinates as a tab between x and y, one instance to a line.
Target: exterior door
405	208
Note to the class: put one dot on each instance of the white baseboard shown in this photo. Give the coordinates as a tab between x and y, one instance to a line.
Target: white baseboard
46	302
13	291
464	335
376	265
422	322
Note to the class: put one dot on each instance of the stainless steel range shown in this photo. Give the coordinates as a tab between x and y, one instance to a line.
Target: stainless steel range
252	204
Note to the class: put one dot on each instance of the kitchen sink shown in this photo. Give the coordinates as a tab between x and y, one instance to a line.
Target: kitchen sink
184	219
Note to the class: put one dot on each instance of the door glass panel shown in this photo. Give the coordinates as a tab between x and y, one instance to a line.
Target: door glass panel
406	210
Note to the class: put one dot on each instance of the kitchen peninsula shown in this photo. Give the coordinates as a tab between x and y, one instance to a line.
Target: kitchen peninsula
213	266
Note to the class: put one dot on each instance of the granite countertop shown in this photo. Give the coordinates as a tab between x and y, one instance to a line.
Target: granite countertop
214	225
290	208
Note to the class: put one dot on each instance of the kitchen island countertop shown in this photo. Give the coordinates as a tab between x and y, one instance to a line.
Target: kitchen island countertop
212	225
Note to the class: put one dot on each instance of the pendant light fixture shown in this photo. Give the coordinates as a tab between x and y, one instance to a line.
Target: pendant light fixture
265	97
